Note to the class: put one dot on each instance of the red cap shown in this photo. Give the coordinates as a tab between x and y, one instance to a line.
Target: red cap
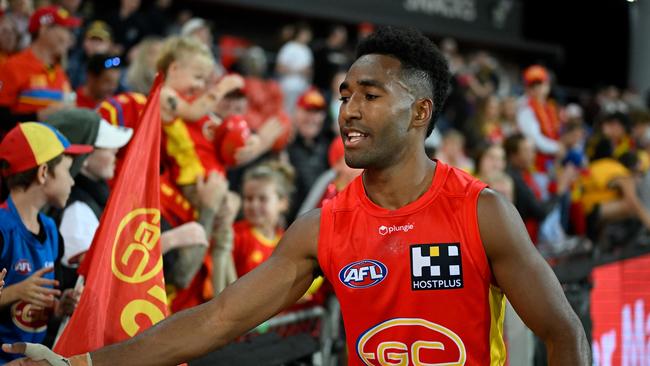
366	27
52	15
535	74
311	99
336	151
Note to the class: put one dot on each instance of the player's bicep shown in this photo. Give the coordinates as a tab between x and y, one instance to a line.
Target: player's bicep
275	284
520	271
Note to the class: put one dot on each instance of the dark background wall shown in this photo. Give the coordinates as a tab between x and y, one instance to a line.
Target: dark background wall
593	34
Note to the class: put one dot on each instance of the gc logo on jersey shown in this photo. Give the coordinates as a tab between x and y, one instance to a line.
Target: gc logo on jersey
411	341
363	274
436	266
29	318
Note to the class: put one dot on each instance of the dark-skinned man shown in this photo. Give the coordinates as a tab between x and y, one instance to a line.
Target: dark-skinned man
419	254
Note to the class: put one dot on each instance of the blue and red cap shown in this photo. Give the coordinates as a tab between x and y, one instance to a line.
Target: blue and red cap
31	144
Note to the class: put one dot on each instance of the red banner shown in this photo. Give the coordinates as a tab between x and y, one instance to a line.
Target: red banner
125	289
620	311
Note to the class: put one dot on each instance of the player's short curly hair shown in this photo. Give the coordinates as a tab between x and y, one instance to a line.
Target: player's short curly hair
423	66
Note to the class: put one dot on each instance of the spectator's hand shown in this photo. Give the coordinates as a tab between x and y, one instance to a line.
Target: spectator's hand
44	113
566	177
561	152
260	142
2	279
211	191
191	233
33	290
270	131
229	209
226	85
38	355
67	303
250	151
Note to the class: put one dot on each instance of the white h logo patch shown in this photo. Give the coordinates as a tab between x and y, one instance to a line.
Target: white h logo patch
420	261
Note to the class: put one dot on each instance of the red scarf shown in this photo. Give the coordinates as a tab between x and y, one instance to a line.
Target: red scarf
546	114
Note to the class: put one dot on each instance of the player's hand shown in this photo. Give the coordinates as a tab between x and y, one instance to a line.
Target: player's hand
37	355
67	303
35	290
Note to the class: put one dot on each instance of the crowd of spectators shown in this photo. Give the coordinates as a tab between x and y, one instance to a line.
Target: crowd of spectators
250	135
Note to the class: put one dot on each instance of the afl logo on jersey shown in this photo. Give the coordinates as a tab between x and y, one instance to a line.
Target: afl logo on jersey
410	341
23	267
363	274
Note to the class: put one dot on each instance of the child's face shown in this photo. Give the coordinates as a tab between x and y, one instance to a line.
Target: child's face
57	185
189	75
262	204
101	163
493	161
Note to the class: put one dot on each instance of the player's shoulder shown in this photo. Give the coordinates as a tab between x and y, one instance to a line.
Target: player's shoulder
346	199
309	219
301	237
457	181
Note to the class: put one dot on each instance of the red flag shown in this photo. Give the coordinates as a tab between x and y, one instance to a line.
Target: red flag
125	289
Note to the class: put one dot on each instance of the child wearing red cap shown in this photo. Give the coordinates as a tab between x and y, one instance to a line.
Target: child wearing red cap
35	164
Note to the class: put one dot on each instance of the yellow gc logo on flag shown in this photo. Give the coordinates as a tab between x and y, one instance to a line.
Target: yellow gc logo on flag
136	236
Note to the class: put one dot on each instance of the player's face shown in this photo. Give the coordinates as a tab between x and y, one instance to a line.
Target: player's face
57	185
375	113
262	204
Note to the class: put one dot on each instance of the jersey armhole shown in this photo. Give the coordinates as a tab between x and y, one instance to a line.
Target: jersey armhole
324	239
477	252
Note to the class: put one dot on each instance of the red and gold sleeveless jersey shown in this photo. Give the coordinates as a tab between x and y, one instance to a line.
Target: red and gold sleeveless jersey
414	284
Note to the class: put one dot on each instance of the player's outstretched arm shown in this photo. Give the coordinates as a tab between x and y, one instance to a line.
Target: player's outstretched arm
529	283
274	285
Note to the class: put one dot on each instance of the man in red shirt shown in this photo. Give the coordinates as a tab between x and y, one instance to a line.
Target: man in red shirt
419	253
32	83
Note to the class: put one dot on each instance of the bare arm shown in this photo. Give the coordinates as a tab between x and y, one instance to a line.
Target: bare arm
274	285
172	106
529	283
627	185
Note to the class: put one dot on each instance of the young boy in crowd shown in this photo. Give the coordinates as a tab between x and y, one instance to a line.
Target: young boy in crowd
35	164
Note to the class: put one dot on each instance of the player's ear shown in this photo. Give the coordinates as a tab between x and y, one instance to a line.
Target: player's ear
422	112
